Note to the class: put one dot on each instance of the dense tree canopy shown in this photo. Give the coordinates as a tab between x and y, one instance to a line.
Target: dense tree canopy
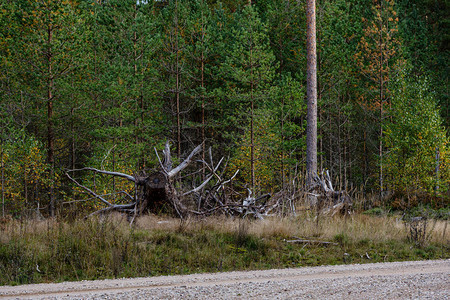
101	83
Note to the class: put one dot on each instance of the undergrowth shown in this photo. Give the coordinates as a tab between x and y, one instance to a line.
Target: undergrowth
106	247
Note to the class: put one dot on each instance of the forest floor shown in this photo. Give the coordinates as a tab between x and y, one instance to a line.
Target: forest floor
398	280
43	251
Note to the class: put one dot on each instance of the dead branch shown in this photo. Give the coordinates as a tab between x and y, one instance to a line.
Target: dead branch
185	163
326	200
150	191
157	190
126	176
167	158
89	190
201	186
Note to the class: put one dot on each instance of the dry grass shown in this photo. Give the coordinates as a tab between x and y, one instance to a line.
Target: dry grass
356	227
107	247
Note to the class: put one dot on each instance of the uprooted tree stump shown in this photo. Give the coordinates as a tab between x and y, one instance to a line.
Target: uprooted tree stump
155	191
152	191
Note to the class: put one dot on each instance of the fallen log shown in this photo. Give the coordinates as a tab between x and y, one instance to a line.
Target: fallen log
304	241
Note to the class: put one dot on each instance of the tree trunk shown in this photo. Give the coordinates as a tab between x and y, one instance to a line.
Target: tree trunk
436	170
3	181
154	192
311	126
50	133
381	103
203	96
252	133
177	88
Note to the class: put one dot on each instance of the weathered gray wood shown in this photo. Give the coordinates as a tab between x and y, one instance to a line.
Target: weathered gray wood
172	173
123	175
151	191
88	190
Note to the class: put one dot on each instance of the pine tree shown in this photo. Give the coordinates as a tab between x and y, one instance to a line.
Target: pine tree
199	51
286	20
47	53
175	71
122	88
249	68
417	162
311	92
379	59
339	23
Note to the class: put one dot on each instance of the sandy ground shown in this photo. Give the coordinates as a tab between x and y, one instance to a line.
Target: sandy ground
398	280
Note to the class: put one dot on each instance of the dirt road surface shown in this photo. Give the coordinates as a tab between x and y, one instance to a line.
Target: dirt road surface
398	280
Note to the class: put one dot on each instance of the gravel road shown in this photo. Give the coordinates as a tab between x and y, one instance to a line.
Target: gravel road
398	280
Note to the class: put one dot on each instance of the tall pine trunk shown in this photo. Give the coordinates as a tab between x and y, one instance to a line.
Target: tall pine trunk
3	178
177	88
311	126
50	133
381	102
203	96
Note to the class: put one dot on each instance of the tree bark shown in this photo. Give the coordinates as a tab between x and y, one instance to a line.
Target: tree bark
177	89
3	180
50	133
311	126
203	94
381	102
252	133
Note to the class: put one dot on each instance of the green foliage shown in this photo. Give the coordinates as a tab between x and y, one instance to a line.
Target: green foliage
278	137
424	29
286	20
267	154
24	172
116	71
429	212
377	211
342	239
249	69
127	112
418	157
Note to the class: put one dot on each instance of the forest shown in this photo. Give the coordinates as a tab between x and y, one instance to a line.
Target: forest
104	84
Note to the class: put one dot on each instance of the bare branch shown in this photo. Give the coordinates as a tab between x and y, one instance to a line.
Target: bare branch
167	159
213	170
160	162
123	175
89	191
200	187
329	180
106	156
226	181
185	163
206	181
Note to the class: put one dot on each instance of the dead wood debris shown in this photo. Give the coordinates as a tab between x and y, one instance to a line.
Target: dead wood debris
160	189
